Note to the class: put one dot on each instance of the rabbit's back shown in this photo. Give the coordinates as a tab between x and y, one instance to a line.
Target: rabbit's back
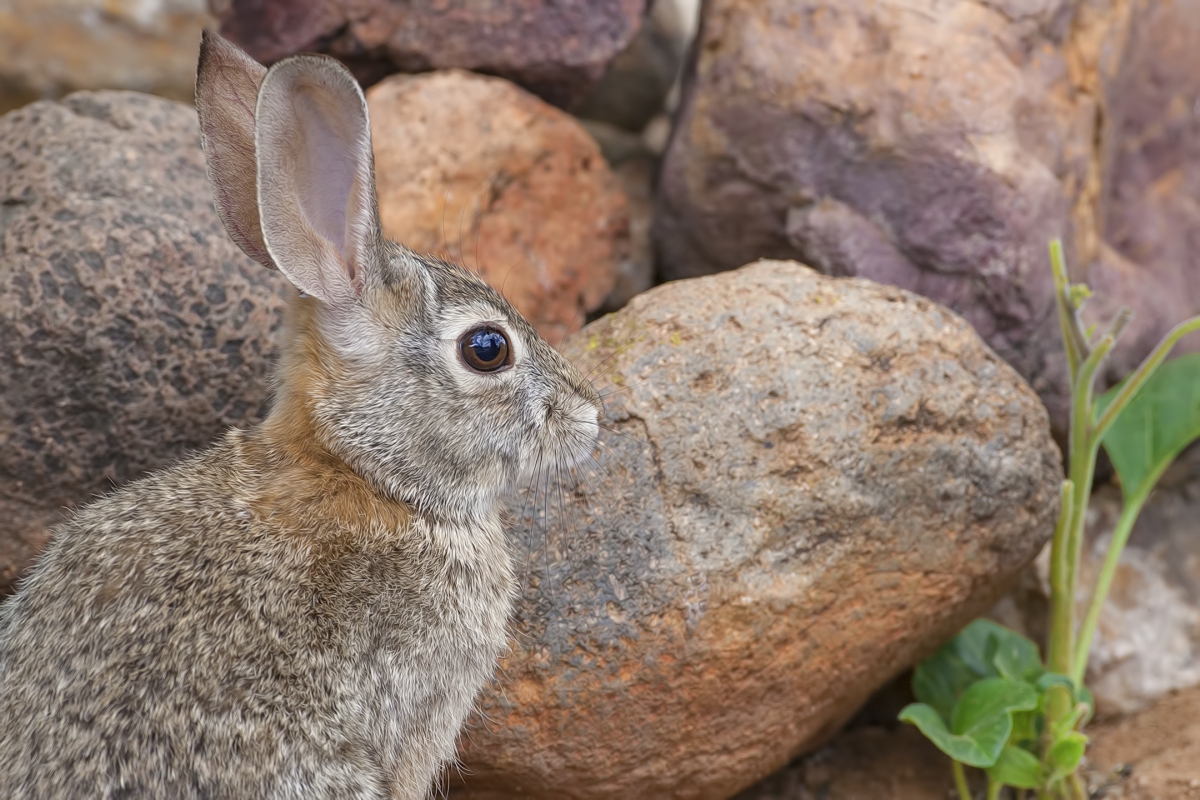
246	626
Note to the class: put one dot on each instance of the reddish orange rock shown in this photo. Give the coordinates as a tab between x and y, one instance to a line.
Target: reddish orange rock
477	170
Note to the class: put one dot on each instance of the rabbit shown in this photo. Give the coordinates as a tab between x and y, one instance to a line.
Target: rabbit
309	607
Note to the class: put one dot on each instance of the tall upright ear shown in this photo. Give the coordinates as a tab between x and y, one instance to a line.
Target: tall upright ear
316	183
227	82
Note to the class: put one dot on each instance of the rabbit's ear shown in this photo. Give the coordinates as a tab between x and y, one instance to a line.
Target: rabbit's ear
227	82
316	184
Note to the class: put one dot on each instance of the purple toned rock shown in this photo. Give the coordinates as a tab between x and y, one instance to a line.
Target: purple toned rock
1150	205
934	146
558	50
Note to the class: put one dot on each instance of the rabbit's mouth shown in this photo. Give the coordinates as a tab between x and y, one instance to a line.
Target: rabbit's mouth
570	430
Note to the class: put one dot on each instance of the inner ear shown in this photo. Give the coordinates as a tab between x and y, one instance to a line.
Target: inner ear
316	190
324	177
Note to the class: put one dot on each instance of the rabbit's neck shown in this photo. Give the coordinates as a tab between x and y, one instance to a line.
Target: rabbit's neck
298	476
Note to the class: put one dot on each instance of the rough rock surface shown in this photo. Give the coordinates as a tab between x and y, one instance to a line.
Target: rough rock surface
131	328
558	50
1151	200
636	168
937	146
477	170
1148	640
51	47
810	483
1152	755
636	85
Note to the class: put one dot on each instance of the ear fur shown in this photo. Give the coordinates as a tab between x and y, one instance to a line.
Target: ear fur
227	82
316	184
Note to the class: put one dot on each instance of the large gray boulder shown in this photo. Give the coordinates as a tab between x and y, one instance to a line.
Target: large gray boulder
808	484
132	329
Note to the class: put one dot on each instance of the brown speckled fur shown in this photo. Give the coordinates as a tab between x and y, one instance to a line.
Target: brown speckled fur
308	608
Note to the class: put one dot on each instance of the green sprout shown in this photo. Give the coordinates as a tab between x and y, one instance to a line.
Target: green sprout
985	698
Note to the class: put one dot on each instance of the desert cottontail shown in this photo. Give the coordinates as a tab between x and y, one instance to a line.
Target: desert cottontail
308	608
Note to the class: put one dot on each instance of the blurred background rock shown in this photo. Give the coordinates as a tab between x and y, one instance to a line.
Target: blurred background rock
49	48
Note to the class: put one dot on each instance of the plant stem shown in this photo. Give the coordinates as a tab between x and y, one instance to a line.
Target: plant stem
960	780
1087	632
993	789
1059	656
1066	315
1068	539
1143	372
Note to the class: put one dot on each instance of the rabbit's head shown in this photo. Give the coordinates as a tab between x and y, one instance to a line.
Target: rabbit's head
411	370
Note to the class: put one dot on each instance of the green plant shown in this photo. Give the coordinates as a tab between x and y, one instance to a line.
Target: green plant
985	698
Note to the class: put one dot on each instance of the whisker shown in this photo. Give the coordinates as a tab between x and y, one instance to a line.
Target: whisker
445	202
609	358
611	391
625	436
532	495
461	215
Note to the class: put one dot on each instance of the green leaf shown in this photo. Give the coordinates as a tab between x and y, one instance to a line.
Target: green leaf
983	649
988	701
1161	419
960	748
1085	696
981	721
1054	679
1065	754
1017	767
1016	658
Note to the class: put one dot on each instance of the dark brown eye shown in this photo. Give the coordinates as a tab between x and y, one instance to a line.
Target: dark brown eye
485	350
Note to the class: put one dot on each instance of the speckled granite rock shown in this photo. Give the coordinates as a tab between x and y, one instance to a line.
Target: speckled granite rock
556	49
131	328
811	483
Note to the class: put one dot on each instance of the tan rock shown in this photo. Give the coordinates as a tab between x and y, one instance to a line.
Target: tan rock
474	169
51	47
809	484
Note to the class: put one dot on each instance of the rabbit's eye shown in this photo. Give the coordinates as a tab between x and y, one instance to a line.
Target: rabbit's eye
485	350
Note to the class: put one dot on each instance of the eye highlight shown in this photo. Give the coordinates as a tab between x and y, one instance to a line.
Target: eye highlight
485	349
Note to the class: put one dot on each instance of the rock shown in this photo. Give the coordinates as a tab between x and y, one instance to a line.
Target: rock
636	168
1148	639
477	170
938	146
1152	185
874	763
132	329
1152	755
809	484
556	50
636	85
51	47
635	273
